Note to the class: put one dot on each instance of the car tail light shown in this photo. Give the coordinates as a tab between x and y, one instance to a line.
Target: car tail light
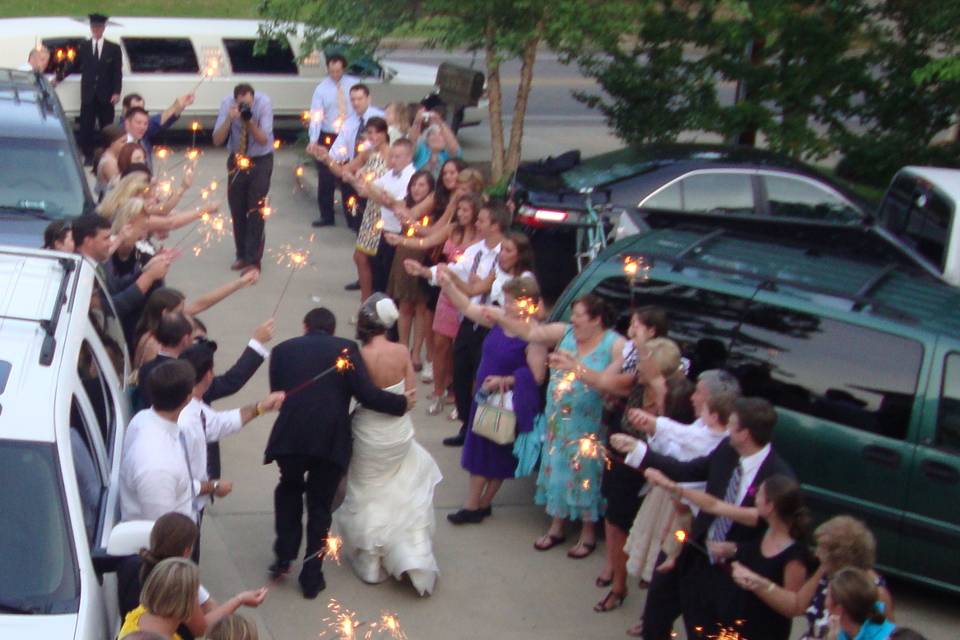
536	216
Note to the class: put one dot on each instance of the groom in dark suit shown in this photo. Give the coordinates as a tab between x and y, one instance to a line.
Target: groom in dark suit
696	587
101	65
312	440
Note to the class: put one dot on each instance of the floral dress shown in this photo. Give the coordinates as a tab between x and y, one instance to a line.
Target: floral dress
368	239
569	483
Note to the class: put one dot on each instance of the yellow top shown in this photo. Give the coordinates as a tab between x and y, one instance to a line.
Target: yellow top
131	624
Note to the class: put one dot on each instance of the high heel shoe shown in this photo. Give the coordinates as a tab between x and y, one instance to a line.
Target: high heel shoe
435	407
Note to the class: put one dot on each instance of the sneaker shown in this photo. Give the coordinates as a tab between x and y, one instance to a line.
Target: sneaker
426	376
466	516
455	441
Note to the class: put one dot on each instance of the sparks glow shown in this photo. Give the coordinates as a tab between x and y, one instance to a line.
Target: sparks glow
299	171
194	126
343	363
410	232
379	225
342	150
266	211
162	153
425	221
193	154
243	162
213	185
305	116
204	194
680	535
276	144
527	307
351	201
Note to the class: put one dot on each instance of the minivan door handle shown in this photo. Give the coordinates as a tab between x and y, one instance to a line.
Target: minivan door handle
940	472
881	455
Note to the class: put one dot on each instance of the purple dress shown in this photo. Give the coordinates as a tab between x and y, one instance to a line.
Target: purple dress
501	356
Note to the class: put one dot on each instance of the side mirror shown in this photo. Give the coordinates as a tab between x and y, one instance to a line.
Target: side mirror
126	539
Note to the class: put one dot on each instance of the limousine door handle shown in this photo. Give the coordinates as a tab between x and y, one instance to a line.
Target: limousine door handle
940	472
881	455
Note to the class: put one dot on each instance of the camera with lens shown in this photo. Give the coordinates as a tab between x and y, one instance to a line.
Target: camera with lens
245	112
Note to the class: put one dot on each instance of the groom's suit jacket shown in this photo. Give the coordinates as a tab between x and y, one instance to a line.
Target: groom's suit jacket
315	421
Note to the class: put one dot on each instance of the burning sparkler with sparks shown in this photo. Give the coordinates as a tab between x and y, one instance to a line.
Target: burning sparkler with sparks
343	623
636	269
341	365
683	538
527	307
293	259
194	129
211	69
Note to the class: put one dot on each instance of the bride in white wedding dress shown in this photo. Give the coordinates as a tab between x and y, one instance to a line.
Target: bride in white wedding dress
386	519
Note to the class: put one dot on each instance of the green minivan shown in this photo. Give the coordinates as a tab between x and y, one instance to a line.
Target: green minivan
860	356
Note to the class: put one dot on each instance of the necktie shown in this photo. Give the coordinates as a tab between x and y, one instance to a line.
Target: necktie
186	458
341	106
493	265
96	49
359	137
244	136
721	526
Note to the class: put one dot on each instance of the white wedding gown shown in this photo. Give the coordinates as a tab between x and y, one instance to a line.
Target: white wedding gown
386	519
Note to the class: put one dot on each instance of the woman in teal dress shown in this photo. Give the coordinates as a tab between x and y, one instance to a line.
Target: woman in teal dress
571	464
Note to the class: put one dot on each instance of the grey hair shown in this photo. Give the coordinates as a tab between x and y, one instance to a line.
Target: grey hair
719	382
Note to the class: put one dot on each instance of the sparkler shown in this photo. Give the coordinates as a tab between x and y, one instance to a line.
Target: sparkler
194	128
684	538
352	205
214	226
294	260
527	307
276	144
341	365
212	69
343	623
635	268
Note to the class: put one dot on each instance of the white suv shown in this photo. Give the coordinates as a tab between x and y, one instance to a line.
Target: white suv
63	410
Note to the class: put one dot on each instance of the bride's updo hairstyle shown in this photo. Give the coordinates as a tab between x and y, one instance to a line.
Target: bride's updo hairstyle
377	314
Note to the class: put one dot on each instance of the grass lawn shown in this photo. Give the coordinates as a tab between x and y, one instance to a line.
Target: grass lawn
202	8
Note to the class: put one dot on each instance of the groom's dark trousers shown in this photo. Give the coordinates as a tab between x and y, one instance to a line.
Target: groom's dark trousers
311	438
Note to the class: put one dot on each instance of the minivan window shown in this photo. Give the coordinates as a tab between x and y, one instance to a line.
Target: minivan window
161	55
90	484
38	563
796	198
107	325
702	322
40	177
276	59
919	216
851	375
98	390
948	418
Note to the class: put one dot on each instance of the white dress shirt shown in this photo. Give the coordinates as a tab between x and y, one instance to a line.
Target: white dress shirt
749	466
677	440
325	113
257	346
154	476
343	148
463	267
200	424
395	185
502	278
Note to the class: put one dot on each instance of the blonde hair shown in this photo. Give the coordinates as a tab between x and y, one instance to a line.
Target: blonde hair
126	213
233	627
665	354
844	541
474	177
401	116
171	589
131	186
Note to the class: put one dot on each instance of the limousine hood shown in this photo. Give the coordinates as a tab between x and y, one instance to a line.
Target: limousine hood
409	73
38	626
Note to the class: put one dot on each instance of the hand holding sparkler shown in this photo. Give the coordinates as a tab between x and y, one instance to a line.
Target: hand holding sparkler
721	549
272	402
623	443
564	361
642	420
747	579
657	477
341	365
264	333
252	599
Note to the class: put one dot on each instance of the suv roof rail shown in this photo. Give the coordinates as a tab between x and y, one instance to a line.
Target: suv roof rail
49	325
37	84
861	299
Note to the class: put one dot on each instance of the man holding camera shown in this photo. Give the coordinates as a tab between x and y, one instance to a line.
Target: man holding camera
245	126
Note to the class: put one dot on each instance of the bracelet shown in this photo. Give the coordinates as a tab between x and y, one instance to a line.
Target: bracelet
259	410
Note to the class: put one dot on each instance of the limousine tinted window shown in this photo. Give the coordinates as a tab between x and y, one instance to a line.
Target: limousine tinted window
62	52
277	58
833	370
161	55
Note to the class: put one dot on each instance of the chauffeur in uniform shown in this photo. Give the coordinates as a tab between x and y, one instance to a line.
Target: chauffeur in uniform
100	63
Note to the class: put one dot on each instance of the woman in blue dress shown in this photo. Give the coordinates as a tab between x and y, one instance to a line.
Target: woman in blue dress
572	461
508	364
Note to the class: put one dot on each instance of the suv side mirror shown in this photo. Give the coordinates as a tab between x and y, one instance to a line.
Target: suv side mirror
126	539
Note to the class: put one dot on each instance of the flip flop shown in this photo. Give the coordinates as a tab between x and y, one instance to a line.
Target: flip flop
554	541
611	601
589	546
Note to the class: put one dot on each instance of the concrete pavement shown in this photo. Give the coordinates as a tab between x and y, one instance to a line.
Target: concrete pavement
492	583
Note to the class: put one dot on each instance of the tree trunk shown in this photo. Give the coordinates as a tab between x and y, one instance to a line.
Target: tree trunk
745	92
495	109
523	95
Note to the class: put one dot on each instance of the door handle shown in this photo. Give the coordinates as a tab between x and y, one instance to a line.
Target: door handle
940	472
881	455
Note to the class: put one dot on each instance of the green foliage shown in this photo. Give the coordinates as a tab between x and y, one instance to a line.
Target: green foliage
859	77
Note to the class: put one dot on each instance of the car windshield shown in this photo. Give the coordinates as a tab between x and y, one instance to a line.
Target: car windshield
918	215
37	573
39	178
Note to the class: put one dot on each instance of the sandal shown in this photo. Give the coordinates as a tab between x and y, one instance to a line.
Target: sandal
602	582
435	407
552	541
636	631
589	546
611	601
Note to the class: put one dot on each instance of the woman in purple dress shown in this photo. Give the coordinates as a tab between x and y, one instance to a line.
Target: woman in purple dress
508	364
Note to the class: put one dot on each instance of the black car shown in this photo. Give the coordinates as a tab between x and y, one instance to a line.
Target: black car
41	176
641	186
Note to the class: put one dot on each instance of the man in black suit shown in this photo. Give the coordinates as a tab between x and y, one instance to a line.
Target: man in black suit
174	333
101	65
311	440
733	472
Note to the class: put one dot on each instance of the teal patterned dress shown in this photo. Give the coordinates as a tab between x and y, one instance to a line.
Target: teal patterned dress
569	484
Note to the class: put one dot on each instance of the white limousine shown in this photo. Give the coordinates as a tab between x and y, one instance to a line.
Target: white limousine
166	57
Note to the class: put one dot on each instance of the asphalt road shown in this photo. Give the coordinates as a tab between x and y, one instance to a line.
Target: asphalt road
492	583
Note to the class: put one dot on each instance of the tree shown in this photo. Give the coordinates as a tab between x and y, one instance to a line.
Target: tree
788	67
501	29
